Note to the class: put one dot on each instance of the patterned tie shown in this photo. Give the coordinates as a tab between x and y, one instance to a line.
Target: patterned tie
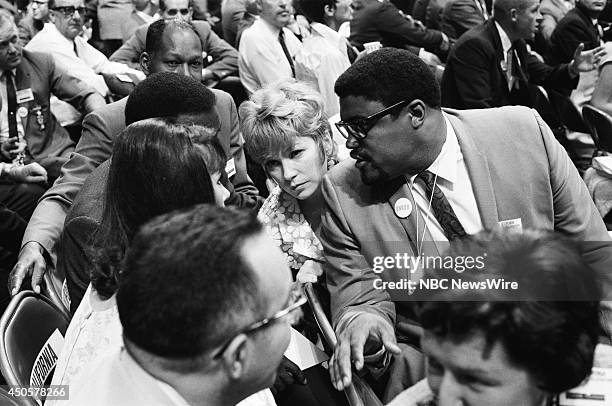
281	39
11	97
443	212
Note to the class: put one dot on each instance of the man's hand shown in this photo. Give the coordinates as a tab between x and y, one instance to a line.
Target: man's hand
366	332
30	173
287	374
9	148
585	61
31	262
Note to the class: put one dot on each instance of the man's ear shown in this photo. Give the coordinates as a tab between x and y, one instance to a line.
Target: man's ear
52	16
145	59
329	10
513	14
416	109
236	356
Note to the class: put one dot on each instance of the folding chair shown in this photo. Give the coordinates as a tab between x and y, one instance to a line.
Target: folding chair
359	392
600	127
29	340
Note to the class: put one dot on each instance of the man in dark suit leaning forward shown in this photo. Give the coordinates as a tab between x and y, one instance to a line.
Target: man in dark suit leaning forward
421	176
177	49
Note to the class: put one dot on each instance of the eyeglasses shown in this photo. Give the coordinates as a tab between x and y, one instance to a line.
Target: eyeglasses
68	11
40	2
296	301
359	128
174	11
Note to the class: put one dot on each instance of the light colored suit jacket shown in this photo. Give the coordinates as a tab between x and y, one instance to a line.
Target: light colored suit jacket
517	170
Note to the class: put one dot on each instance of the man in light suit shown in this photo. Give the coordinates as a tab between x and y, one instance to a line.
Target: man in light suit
421	177
95	146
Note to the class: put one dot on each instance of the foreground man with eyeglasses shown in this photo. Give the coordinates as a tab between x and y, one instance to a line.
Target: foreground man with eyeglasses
205	301
422	176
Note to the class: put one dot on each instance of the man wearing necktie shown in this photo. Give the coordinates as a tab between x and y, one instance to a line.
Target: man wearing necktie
267	48
26	84
422	176
477	75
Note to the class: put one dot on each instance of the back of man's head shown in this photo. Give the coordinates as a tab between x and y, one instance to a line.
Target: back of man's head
168	94
157	29
314	10
390	75
502	8
185	286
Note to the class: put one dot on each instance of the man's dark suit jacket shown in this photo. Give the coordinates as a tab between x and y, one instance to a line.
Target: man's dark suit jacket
382	21
224	56
74	257
460	16
49	144
474	77
574	28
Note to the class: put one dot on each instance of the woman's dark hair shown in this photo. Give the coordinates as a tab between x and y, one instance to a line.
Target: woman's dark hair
157	166
551	326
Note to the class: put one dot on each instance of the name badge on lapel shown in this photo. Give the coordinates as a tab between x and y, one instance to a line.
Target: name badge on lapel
40	118
514	225
24	95
230	168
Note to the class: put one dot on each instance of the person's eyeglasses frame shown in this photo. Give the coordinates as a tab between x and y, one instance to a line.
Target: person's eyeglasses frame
295	304
65	10
39	3
172	12
359	128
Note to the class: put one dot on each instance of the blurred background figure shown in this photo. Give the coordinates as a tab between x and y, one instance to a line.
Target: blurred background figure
144	12
36	17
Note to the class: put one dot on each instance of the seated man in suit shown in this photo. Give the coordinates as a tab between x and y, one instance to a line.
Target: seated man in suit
224	57
374	20
172	46
192	352
422	176
491	65
28	79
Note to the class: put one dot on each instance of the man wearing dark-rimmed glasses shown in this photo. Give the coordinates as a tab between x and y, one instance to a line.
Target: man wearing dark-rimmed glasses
422	176
205	301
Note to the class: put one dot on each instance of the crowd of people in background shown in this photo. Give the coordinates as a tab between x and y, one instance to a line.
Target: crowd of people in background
189	169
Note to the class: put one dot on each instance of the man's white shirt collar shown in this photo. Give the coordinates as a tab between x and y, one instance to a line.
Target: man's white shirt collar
505	40
445	165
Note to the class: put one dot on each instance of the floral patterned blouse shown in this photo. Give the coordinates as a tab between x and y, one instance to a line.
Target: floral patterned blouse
283	218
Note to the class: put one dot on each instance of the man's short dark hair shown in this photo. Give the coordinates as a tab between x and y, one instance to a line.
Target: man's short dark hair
390	75
185	287
167	94
554	340
314	10
156	30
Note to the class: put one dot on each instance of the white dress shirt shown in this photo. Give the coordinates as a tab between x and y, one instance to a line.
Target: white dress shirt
454	181
88	66
262	59
4	127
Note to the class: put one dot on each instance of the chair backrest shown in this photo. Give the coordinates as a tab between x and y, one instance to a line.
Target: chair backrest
31	334
600	126
568	112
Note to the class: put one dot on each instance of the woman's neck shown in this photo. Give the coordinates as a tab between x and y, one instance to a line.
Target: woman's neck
311	209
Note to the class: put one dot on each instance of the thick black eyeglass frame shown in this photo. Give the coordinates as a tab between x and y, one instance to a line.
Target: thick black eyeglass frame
359	128
68	11
175	11
297	302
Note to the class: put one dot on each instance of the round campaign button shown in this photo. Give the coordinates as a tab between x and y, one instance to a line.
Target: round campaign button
22	112
403	208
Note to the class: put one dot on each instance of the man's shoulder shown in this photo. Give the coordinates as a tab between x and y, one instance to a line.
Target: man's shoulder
346	178
112	113
38	59
222	99
202	28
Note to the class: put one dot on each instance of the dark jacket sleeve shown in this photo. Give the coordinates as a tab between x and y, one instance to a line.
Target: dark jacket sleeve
129	52
566	38
391	22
